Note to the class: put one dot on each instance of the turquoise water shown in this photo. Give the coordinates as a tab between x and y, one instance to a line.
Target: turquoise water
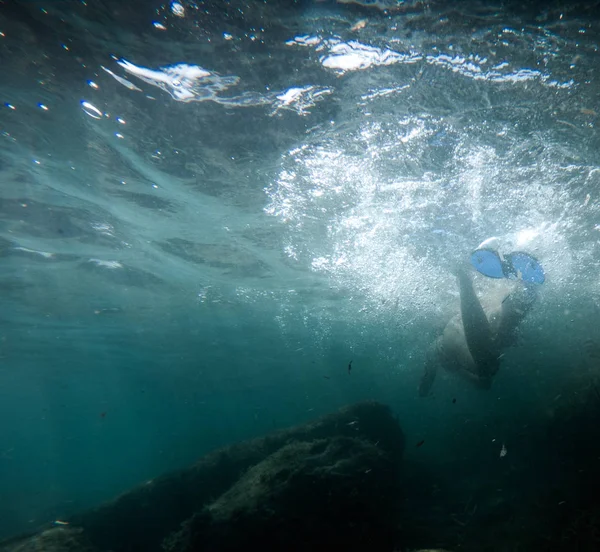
209	209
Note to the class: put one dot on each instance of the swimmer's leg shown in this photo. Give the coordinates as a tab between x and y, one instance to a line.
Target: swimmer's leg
478	333
515	307
430	370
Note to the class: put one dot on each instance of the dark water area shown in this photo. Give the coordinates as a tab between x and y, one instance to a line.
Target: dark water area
223	219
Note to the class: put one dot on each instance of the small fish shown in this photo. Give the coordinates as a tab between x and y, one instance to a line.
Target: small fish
58	522
420	443
103	415
503	451
326	377
453	401
349	366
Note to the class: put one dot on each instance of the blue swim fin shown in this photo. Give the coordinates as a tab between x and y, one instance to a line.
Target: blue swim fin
488	262
515	265
525	267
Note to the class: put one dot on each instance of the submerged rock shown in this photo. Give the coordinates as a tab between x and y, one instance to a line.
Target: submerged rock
56	539
337	471
332	493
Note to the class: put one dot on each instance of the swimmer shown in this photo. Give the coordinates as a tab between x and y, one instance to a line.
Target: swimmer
473	342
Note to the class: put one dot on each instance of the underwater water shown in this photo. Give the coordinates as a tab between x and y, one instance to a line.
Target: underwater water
224	218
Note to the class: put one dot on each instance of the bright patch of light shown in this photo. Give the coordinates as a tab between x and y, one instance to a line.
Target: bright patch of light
44	254
300	100
359	208
177	9
289	96
121	80
356	56
526	236
304	40
352	56
91	110
183	82
106	264
103	228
